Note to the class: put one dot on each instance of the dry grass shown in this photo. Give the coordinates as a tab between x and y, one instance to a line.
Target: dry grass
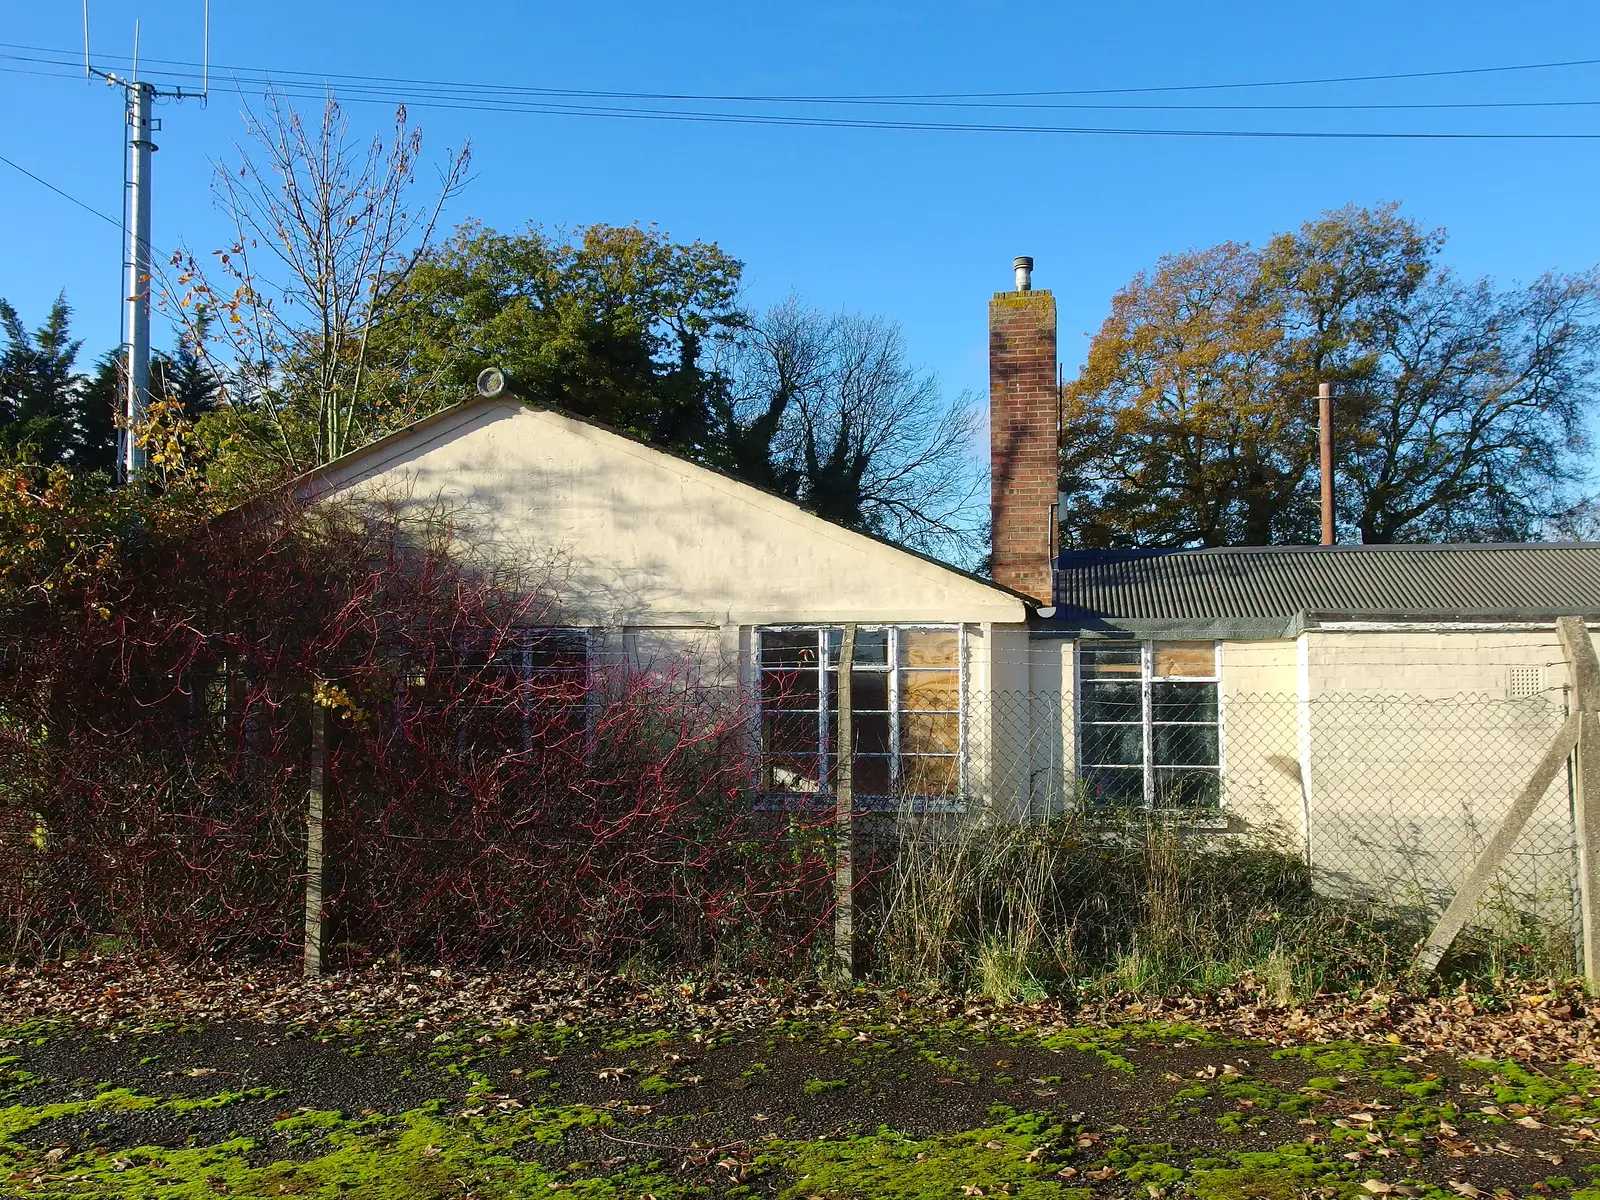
1014	910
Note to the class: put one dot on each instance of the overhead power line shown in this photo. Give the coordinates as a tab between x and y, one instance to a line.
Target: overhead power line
500	94
513	99
67	196
67	58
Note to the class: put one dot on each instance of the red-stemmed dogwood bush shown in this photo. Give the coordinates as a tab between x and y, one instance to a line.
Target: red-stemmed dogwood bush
495	785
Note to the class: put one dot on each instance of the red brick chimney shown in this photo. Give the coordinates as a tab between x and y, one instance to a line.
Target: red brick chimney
1024	411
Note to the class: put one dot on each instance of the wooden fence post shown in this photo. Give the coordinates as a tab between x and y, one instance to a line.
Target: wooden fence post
1581	733
316	916
844	870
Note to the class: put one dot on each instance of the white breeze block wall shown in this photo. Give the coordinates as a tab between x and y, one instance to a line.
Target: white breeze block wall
1417	741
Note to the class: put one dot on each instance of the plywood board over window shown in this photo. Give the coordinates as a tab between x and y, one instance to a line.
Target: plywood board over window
905	692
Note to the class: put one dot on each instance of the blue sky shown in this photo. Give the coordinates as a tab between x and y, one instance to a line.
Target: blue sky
919	226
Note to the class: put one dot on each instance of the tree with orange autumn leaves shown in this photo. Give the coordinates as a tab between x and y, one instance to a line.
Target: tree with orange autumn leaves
1460	407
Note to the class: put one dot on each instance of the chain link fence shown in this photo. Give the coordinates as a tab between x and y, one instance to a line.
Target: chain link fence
435	850
1389	798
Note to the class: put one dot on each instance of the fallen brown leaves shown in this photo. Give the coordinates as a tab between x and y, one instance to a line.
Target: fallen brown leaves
1528	1023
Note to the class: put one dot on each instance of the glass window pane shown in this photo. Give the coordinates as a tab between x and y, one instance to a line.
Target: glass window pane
1122	745
1184	745
872	647
788	647
790	733
1183	702
1120	660
923	691
1113	787
871	731
929	647
1185	659
1112	702
869	690
871	775
930	733
921	775
1187	789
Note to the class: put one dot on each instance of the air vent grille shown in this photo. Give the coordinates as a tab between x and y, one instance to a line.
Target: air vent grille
1524	682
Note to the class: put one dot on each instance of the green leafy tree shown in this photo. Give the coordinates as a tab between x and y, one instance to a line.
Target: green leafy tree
1459	414
101	402
187	377
40	386
613	323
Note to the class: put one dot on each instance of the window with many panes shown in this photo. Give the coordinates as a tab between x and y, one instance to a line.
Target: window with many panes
1148	734
905	700
530	687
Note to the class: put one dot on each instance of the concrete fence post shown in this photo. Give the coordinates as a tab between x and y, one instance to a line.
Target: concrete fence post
844	871
1585	684
316	913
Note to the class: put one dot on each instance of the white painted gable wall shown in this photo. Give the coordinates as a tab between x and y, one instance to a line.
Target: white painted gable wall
663	553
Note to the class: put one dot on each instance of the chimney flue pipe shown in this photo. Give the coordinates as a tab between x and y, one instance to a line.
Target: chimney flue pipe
1325	437
1022	265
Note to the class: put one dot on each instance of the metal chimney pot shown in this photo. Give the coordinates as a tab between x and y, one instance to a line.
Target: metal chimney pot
1023	266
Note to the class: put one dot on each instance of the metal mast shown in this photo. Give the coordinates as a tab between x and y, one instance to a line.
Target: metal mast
141	98
142	126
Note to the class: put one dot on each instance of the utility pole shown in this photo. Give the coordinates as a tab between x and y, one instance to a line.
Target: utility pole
141	99
142	124
1325	437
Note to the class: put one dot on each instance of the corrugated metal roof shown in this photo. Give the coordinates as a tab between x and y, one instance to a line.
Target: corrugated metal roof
1256	584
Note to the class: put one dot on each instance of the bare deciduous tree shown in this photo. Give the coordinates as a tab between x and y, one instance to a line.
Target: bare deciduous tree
827	409
326	236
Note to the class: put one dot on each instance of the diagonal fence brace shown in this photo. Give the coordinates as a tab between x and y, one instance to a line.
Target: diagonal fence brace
1577	733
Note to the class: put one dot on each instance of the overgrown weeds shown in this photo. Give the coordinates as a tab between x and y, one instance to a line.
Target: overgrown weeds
1091	907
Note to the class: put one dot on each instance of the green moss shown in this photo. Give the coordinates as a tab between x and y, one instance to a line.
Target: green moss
891	1166
1566	1092
1107	1044
423	1154
221	1100
814	1087
953	1067
659	1085
19	1119
648	1039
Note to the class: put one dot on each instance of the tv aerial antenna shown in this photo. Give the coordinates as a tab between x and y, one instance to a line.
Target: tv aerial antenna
140	96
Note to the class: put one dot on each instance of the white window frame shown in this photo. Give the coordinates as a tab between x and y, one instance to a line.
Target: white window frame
892	667
1148	678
